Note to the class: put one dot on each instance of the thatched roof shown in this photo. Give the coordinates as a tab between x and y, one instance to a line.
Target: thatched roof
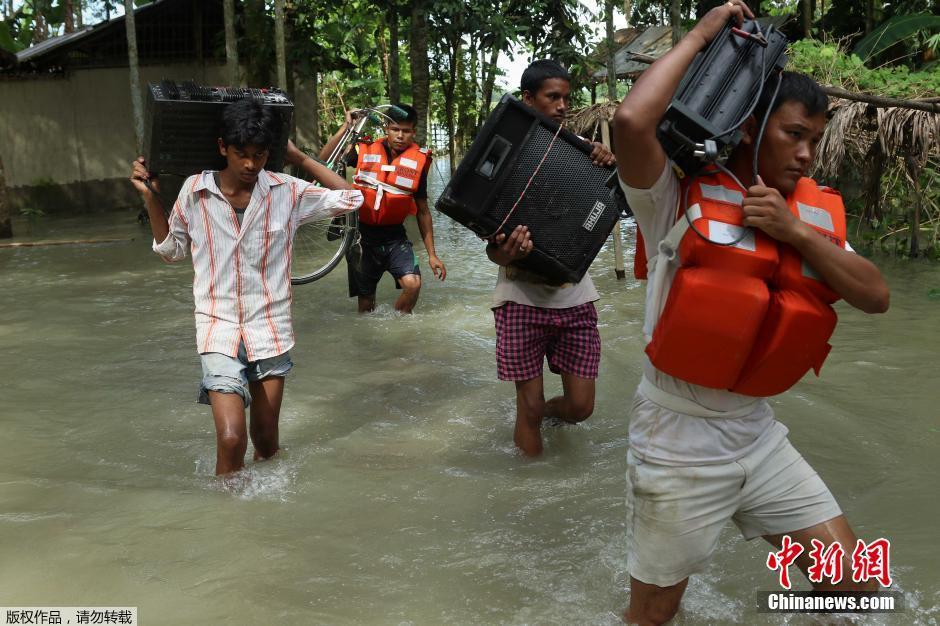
649	44
855	126
586	122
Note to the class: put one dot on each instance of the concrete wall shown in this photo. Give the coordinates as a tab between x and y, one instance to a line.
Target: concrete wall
67	142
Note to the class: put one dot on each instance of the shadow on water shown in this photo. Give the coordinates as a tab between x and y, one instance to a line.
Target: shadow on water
398	496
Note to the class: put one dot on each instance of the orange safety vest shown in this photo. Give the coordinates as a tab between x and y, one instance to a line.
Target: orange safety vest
751	317
387	188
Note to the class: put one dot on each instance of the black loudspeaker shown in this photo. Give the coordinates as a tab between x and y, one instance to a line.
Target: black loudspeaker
570	205
719	91
182	121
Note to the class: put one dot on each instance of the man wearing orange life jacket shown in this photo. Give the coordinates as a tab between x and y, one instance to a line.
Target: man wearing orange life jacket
726	325
392	175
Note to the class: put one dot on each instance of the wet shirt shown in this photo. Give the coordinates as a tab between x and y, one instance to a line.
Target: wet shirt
670	437
678	438
513	285
241	285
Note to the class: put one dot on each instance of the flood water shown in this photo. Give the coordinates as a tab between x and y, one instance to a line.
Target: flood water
398	497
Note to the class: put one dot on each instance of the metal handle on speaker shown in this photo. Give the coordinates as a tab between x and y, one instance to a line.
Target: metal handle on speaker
493	157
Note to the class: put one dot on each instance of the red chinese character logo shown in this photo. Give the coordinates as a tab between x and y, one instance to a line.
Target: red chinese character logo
826	563
871	561
782	560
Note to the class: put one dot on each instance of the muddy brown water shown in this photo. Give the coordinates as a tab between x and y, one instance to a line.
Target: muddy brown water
398	497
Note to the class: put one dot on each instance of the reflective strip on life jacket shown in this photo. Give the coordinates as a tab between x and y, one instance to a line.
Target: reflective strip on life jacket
387	188
745	317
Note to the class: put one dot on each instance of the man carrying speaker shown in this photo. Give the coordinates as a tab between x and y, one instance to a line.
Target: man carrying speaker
535	319
392	174
239	223
735	270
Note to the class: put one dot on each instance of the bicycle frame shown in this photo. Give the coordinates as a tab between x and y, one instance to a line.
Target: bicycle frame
343	229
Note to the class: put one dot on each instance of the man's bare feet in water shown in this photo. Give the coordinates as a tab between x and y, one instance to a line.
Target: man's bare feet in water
528	435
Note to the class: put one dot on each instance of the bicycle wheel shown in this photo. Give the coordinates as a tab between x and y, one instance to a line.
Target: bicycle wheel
319	246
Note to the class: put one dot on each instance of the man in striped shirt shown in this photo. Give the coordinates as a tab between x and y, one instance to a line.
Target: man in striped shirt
239	224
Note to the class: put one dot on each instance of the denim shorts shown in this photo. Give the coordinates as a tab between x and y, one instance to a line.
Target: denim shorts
226	374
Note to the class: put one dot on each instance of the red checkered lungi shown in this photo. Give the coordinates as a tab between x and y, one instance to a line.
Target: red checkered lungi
525	335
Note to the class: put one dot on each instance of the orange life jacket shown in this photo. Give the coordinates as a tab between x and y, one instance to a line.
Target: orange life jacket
751	317
387	188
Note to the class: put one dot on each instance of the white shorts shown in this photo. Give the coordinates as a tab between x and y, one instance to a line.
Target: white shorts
675	514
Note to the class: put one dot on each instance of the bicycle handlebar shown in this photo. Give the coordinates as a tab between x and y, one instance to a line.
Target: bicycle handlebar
354	131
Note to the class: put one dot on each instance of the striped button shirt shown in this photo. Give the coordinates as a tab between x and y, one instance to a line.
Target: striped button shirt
241	286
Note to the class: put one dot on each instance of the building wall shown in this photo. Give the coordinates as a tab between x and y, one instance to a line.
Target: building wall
67	143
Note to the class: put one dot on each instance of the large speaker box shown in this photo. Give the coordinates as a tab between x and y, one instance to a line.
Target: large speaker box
182	121
570	205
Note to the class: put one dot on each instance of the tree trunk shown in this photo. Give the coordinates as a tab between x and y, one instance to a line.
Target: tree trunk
874	166
394	64
468	96
807	18
39	28
869	15
611	63
489	79
279	44
79	20
449	89
69	16
913	170
675	20
316	111
231	46
6	226
382	44
134	67
420	81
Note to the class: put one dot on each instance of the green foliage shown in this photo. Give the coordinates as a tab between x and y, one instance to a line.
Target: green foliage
6	38
889	231
828	64
895	30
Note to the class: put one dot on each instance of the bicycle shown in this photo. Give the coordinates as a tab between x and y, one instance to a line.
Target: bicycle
318	246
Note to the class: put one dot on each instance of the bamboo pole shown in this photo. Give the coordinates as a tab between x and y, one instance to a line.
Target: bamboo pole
231	47
133	66
927	104
618	243
931	105
279	44
6	226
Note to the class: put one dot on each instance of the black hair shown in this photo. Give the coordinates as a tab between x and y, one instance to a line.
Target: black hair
411	114
794	86
540	71
249	122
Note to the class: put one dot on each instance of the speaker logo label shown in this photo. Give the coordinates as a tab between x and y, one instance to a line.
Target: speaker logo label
596	211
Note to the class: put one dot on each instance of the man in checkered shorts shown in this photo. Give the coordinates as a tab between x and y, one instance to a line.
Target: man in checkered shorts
534	319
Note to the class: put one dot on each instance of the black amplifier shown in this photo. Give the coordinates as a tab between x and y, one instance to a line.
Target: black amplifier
182	122
570	205
719	91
